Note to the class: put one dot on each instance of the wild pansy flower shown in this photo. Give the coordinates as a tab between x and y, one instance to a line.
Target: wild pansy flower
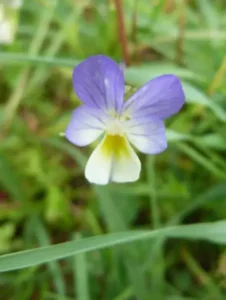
98	82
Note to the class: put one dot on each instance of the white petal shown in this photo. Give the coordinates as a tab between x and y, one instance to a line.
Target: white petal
113	160
98	167
126	168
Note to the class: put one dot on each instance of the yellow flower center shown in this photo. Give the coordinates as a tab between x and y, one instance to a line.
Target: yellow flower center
115	145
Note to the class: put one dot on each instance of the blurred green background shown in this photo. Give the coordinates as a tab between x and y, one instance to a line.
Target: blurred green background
44	197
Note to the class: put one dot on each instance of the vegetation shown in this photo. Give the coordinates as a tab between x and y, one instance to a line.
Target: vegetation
161	237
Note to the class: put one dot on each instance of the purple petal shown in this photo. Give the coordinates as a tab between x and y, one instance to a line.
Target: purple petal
147	134
161	97
98	82
85	126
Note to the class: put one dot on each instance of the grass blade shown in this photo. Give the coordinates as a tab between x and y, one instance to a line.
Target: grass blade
214	232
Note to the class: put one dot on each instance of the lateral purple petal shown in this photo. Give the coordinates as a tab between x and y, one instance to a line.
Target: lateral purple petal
98	82
161	97
147	134
85	126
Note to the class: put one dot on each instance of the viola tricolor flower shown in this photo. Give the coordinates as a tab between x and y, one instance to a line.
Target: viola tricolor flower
98	82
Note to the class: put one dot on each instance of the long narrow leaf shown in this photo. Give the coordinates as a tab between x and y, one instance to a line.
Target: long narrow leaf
214	232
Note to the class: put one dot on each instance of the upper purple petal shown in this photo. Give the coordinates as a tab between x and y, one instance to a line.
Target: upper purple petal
162	97
98	82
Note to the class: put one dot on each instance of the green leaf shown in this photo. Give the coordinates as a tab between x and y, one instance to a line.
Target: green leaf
213	232
138	75
24	58
194	95
174	136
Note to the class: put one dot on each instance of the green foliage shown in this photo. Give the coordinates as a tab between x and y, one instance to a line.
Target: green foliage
161	237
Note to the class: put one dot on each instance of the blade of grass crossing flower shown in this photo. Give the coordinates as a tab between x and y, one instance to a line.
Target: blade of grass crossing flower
212	232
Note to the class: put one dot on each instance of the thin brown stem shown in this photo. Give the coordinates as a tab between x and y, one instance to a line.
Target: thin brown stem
122	31
181	28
